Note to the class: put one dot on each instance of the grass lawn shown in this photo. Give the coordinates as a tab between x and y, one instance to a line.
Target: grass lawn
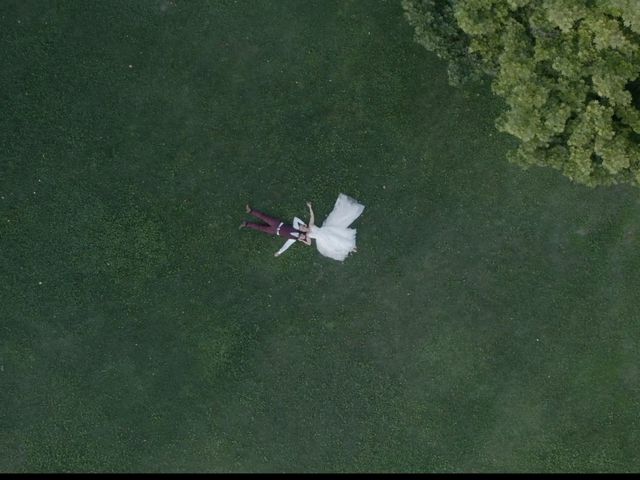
489	322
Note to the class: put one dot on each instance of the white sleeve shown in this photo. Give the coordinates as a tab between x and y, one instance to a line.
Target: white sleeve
297	222
286	245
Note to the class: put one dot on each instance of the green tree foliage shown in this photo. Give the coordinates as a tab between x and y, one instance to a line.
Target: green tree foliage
437	30
569	73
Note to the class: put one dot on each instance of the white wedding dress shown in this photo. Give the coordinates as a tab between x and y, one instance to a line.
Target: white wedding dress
334	239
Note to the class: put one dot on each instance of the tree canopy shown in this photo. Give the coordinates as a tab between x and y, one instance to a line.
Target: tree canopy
437	30
568	70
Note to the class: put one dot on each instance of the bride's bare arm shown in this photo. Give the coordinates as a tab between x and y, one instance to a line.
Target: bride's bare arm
305	239
311	218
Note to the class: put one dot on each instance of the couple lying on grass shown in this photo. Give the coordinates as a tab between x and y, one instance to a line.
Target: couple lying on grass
334	239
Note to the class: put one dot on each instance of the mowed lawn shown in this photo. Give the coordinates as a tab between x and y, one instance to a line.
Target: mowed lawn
490	321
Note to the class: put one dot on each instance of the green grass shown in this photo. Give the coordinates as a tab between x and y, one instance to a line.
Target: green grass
488	323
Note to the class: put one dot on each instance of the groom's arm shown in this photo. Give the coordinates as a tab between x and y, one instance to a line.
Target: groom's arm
286	245
297	223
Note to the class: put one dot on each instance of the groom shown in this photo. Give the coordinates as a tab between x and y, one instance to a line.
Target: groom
274	226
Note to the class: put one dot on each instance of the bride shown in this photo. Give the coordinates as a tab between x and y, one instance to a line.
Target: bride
334	239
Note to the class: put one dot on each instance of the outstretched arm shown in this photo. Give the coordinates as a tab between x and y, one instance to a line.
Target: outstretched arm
311	218
286	245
